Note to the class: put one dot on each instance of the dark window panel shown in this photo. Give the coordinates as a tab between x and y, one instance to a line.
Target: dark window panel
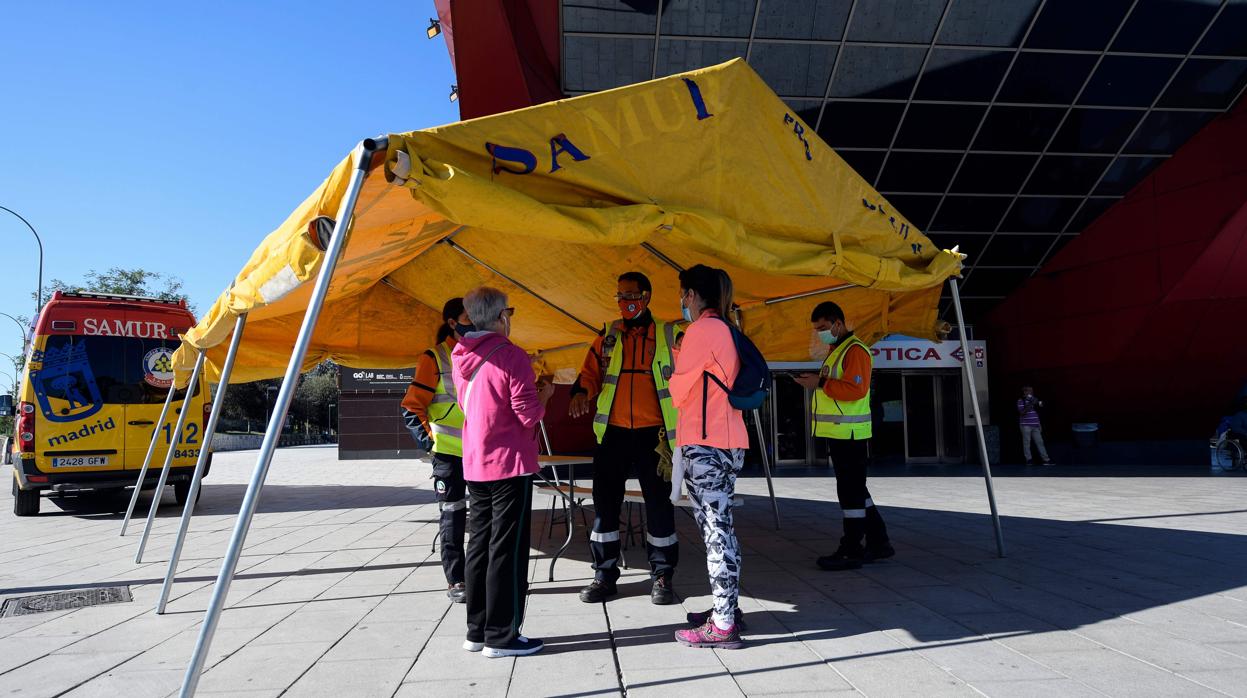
680	55
1090	211
970	213
1227	36
802	19
1208	84
898	21
975	310
915	209
945	126
1061	241
987	22
1018	128
1124	174
877	72
1065	174
968	244
612	16
1077	24
970	76
807	109
1032	214
859	124
720	18
592	64
994	282
1128	81
1095	130
794	69
1015	250
865	162
1046	78
1165	131
1165	26
925	172
993	174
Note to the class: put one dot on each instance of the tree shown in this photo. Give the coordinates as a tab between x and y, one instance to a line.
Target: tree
249	403
125	282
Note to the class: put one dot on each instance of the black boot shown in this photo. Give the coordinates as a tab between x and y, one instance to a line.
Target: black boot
849	555
878	547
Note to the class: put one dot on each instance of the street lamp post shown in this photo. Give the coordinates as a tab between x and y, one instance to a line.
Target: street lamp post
330	425
269	391
10	357
20	326
39	289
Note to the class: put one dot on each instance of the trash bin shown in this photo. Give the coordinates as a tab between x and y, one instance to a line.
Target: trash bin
1086	434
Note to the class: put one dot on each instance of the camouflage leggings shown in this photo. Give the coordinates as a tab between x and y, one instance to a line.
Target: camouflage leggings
710	475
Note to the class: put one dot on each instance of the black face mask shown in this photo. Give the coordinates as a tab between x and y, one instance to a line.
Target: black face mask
462	330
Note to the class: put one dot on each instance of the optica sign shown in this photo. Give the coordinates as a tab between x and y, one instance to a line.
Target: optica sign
915	353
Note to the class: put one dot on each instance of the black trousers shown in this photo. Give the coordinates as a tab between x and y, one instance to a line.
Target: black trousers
623	451
452	493
497	563
861	518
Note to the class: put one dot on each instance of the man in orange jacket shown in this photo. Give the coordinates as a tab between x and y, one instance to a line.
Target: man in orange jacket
625	376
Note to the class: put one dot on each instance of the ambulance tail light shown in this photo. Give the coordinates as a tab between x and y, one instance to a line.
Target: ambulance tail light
26	426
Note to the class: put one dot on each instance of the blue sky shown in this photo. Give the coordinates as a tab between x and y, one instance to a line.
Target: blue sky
174	136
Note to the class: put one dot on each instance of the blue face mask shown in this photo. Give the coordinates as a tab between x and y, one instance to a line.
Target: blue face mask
688	314
826	337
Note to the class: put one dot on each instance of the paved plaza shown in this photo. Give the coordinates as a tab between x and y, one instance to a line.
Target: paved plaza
1122	586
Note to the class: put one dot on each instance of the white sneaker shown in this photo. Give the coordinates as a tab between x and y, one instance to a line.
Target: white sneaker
521	647
473	646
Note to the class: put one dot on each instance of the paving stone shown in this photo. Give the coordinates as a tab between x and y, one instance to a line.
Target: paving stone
472	687
1043	688
360	677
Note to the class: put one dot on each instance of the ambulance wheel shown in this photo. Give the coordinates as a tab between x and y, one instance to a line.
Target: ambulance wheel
182	492
25	502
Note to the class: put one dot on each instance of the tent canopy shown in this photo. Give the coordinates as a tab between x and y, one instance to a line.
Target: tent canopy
551	203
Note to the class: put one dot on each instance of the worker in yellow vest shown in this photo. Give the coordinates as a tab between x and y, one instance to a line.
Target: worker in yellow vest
626	371
841	409
432	406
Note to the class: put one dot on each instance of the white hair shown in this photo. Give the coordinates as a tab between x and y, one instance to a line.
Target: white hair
484	306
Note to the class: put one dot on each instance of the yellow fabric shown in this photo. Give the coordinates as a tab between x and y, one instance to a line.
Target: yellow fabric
832	418
726	182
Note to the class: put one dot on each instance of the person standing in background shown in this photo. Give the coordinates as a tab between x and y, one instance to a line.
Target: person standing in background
432	405
842	418
1028	423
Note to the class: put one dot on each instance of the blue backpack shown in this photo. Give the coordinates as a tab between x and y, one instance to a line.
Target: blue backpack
752	384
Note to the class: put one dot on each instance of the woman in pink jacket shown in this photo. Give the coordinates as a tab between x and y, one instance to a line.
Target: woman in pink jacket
712	440
502	406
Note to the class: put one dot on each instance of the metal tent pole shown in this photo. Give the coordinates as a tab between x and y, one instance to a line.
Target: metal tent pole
766	466
363	160
201	464
151	448
978	417
174	439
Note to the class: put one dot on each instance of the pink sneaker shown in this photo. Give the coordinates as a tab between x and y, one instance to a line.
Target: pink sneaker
709	635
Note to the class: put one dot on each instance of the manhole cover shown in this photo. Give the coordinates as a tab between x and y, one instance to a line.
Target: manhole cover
64	600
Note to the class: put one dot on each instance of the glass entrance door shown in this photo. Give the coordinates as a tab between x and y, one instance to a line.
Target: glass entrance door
933	417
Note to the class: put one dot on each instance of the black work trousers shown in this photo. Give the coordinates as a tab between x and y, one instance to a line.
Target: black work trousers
452	493
861	518
497	563
624	451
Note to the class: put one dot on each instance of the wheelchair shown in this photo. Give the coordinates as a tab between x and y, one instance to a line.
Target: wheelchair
1230	452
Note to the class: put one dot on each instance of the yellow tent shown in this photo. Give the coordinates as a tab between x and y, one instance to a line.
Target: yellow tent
553	202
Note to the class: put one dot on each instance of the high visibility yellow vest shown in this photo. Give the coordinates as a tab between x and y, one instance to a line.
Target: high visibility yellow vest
834	419
444	414
663	365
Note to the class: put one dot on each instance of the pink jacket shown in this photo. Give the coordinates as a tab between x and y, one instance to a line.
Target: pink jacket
707	348
501	412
